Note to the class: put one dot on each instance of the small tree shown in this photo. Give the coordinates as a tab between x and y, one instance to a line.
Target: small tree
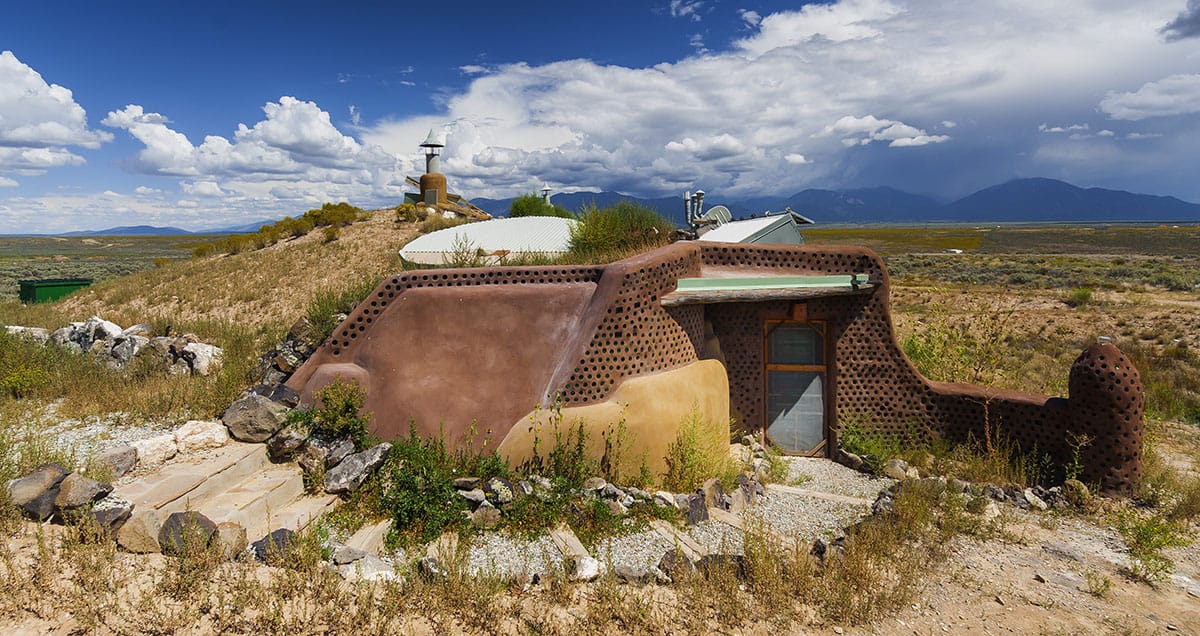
534	205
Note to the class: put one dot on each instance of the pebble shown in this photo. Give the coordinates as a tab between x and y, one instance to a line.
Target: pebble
639	549
509	557
831	477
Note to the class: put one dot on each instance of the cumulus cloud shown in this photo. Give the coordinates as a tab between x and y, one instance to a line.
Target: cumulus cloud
146	190
201	188
796	159
860	131
38	121
1185	25
686	9
1173	95
5	182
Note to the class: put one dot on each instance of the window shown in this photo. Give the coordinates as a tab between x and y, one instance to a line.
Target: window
795	361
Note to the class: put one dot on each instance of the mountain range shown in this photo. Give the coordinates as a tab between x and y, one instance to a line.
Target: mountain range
1019	200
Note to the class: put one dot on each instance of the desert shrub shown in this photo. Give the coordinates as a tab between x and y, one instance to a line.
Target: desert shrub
1170	379
161	262
435	222
605	234
330	234
1147	535
1079	297
700	451
407	213
204	249
339	414
333	214
534	205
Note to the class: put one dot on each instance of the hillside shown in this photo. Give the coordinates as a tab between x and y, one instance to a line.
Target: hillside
264	288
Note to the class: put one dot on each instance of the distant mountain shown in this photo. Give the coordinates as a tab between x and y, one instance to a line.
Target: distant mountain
1053	200
132	230
1021	200
244	228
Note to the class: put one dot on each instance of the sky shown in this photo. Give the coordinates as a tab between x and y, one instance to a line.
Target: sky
201	115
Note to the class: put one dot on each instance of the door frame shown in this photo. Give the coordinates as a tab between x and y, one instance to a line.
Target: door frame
822	449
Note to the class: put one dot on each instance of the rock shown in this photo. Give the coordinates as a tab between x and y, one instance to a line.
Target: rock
737	501
156	450
61	336
184	531
339	449
312	458
76	491
1035	501
354	470
116	461
617	508
594	483
486	516
995	492
475	496
276	392
284	444
140	532
287	358
346	554
431	569
162	347
254	418
97	328
713	493
748	440
197	435
896	468
748	488
991	510
369	568
884	504
664	498
958	485
848	459
140	329
273	545
126	347
35	493
204	358
628	501
612	492
631	574
682	501
523	489
499	491
229	540
36	334
112	512
696	511
467	483
586	569
1076	493
674	564
179	367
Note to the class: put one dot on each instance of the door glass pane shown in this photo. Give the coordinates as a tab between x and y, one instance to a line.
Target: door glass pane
796	409
795	344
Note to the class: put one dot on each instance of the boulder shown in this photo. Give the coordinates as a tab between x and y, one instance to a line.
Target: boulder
197	435
112	512
140	329
499	491
76	491
432	569
284	444
696	510
97	328
486	516
584	569
664	498
713	493
254	418
1035	502
354	470
277	393
475	497
339	449
203	358
273	545
675	563
156	450
61	336
631	574
126	347
592	484
229	540
116	461
139	533
184	531
1076	493
466	483
346	554
617	508
896	468
30	492
369	568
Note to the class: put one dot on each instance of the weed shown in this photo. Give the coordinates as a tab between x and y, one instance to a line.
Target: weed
1079	297
330	234
437	222
1098	585
699	451
327	306
618	230
1147	535
339	414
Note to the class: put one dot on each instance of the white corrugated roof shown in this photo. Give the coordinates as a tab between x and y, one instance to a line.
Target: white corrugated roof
541	234
738	231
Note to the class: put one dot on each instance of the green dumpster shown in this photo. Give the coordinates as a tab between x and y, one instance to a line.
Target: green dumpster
44	291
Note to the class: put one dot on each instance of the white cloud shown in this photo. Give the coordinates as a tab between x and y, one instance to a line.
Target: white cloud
355	116
860	131
1173	95
201	188
1138	135
38	121
796	159
686	9
1105	133
5	182
1059	129
838	22
948	124
147	191
750	17
473	69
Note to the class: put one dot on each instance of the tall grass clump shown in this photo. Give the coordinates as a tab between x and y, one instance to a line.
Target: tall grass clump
700	451
606	234
533	205
326	305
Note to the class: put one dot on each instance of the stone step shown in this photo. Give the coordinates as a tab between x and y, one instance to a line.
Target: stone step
370	537
253	502
189	483
686	544
302	512
568	544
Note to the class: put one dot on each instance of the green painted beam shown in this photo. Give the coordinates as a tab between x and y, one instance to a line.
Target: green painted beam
770	282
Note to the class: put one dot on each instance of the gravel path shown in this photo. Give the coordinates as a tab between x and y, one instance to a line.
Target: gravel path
823	475
640	549
804	517
717	537
507	557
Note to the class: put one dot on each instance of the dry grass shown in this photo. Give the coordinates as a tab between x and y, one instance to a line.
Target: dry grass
262	288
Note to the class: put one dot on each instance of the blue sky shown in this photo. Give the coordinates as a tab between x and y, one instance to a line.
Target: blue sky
221	112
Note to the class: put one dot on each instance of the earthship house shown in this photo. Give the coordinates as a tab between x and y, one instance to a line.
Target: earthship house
789	343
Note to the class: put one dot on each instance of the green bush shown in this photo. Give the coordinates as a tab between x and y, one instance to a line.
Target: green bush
1079	297
700	451
326	304
330	234
606	234
1147	536
534	205
338	415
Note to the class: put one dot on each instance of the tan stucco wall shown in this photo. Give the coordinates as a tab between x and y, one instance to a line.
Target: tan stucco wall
653	407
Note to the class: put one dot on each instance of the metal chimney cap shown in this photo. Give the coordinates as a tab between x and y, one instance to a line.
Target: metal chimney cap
699	193
434	140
